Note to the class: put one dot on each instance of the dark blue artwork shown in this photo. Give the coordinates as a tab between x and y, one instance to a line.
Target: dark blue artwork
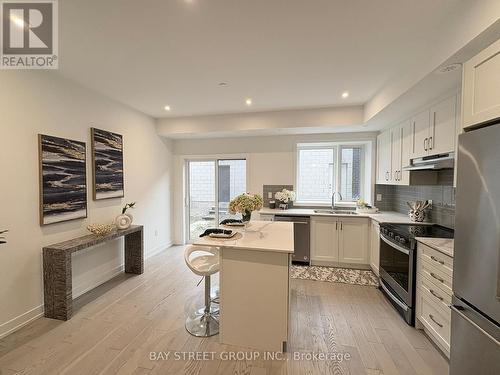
63	179
107	156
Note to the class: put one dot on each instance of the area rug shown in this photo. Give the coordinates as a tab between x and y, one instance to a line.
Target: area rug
334	275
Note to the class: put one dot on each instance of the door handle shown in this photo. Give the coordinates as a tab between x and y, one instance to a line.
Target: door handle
425	143
437	260
436	295
435	321
437	277
431	143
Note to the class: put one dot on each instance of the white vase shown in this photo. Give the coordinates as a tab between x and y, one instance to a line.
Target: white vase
123	221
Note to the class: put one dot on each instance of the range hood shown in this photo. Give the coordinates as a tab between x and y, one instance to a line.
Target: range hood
434	162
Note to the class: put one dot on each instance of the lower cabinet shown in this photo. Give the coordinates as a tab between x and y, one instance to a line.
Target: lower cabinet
339	241
434	282
375	247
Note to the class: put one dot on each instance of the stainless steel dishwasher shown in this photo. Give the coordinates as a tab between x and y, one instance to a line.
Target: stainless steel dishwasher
301	236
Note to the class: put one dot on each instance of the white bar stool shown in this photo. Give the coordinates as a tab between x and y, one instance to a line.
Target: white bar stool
203	323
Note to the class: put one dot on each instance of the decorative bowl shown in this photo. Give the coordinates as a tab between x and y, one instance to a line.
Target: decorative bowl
101	229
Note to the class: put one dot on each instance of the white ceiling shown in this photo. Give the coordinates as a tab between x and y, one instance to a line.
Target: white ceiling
282	53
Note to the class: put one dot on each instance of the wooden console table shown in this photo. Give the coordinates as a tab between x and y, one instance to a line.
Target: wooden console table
57	277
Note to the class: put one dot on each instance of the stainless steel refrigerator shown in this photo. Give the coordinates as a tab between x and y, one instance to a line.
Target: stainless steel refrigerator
475	315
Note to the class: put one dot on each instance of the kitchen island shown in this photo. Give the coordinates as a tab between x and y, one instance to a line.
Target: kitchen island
255	285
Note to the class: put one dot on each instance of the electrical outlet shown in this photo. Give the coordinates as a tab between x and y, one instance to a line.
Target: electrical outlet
379	197
270	195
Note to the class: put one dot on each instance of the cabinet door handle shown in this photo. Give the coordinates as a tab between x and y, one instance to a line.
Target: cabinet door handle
341	226
336	225
431	143
425	143
435	321
387	176
437	277
436	295
437	260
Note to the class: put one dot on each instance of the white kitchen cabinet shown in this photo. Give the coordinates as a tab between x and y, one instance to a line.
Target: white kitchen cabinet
384	158
394	147
353	240
339	241
420	127
375	247
396	154
481	87
324	240
442	134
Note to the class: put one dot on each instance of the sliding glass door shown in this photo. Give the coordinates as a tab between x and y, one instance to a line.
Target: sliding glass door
211	184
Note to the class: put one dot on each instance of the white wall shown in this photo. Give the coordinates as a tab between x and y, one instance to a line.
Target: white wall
270	161
42	102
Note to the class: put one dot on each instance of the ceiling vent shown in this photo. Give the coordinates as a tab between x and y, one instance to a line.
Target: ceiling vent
448	68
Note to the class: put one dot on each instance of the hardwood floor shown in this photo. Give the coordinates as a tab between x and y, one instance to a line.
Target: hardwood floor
118	325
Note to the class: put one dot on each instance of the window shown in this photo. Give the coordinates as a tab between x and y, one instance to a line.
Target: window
325	169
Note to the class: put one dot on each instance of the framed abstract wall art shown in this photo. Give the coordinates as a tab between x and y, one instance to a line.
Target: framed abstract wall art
63	179
107	162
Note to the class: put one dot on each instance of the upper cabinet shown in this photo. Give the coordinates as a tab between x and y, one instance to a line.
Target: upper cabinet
420	129
384	157
434	130
442	137
481	87
430	132
393	151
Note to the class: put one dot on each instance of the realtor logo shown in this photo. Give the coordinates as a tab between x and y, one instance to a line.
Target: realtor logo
29	34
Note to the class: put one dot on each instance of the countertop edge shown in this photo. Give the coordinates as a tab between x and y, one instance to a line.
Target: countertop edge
427	241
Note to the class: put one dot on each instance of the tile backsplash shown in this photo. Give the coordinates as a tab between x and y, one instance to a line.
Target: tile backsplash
273	189
394	198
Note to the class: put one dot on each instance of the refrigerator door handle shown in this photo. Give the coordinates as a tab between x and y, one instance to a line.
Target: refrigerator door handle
458	309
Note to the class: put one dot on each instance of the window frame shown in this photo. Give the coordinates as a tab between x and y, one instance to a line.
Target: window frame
336	148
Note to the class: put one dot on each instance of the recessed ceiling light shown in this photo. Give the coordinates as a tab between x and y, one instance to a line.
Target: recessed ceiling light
167	108
248	101
222	84
345	94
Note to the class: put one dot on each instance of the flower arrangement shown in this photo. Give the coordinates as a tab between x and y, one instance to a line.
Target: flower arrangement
245	204
2	238
285	196
361	203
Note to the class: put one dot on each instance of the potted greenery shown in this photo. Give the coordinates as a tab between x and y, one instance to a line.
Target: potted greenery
2	238
245	204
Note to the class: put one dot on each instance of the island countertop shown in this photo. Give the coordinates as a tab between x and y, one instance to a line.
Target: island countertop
269	236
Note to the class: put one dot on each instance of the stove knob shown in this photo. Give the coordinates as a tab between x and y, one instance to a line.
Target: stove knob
402	240
391	235
397	238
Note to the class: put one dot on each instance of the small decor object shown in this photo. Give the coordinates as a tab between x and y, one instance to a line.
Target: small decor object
417	210
364	208
101	229
107	162
245	204
2	238
284	197
124	220
63	179
232	223
272	204
217	231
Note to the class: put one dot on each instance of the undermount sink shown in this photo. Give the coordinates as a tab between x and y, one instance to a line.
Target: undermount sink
336	212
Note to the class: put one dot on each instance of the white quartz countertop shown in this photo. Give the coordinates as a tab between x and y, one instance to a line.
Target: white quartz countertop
270	236
443	245
381	217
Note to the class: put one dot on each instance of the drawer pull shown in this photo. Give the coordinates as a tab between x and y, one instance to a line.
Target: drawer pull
437	260
435	321
436	295
437	277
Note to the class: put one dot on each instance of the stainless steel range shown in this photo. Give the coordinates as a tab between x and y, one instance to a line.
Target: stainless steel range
398	257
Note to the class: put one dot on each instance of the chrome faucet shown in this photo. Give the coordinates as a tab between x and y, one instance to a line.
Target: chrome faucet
334	202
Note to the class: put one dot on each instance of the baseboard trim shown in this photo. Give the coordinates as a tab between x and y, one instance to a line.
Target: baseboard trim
24	319
20	321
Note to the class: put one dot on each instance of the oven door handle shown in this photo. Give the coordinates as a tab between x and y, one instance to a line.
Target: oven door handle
392	244
393	297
